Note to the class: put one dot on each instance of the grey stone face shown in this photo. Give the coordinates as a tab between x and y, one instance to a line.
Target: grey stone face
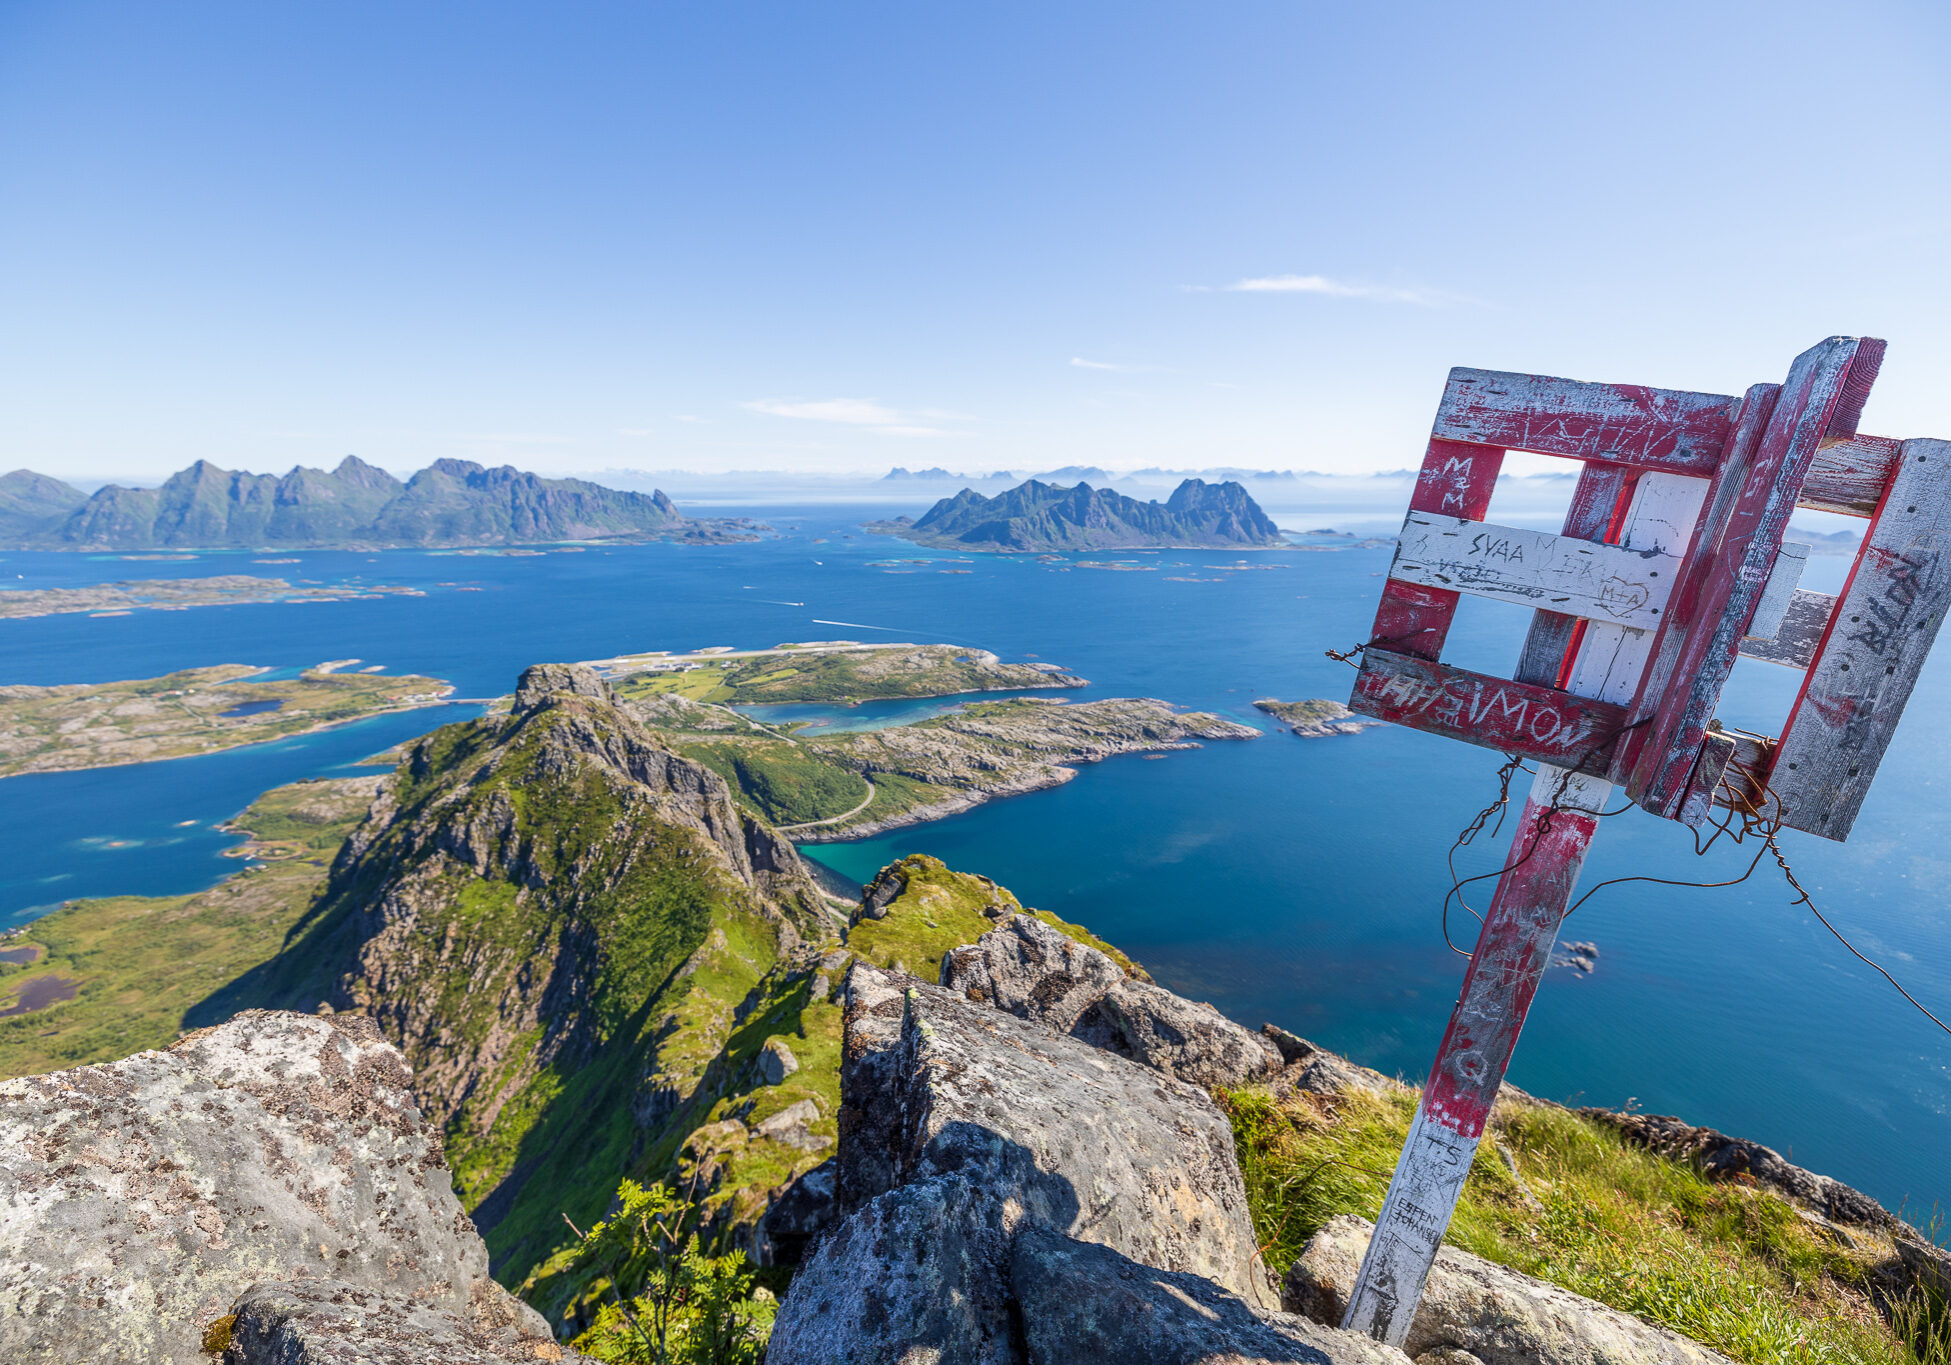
143	1196
917	1275
1083	1140
1030	970
1484	1312
330	1322
1083	1304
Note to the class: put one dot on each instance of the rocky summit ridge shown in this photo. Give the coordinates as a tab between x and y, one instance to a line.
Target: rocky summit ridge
1046	517
450	502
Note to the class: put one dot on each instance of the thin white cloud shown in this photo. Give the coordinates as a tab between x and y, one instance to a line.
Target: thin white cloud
864	413
1083	364
1333	288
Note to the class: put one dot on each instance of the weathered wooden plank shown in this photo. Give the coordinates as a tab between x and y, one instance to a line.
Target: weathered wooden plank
1455	480
1705	788
1709	616
1512	717
1783	578
1627	424
1868	661
1535	568
1597	508
1795	639
1848	475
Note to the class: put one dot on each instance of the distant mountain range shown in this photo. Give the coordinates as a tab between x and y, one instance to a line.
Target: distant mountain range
1047	517
450	502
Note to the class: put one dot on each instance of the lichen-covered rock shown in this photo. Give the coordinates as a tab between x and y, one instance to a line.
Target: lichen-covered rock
142	1196
1496	1315
795	1214
1086	1142
1030	970
918	1274
330	1322
1083	1304
1722	1157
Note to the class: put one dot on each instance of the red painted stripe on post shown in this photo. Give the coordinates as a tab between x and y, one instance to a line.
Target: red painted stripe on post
1511	955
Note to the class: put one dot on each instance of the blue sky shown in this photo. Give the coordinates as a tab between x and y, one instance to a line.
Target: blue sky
845	236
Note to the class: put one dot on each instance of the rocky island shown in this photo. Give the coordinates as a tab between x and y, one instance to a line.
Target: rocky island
1048	518
354	506
196	711
175	594
1316	718
838	671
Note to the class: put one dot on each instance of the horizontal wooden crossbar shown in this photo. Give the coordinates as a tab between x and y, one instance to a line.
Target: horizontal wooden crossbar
1539	723
1564	574
1628	424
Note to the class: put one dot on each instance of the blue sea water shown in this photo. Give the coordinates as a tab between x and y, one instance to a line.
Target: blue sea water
1292	880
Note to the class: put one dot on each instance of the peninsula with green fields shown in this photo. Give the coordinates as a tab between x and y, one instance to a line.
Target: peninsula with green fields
195	711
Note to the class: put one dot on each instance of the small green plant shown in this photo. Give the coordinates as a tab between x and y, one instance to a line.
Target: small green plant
692	1308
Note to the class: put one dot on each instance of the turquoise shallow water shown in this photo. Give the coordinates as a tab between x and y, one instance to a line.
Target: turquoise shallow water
1284	879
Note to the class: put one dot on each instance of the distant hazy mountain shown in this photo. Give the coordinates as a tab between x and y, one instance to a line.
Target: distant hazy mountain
451	502
28	500
1041	516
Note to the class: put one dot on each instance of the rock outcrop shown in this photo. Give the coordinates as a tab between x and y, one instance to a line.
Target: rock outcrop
1026	968
1011	1194
1481	1313
144	1196
330	1322
1721	1157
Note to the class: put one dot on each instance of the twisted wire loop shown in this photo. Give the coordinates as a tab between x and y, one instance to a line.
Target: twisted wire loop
1744	819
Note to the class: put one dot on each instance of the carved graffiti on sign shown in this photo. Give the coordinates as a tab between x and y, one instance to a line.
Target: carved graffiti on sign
1533	568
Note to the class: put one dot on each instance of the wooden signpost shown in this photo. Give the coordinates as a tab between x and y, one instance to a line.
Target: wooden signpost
1670	563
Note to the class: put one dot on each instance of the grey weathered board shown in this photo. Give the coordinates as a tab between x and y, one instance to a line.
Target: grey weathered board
1867	664
1795	639
1536	569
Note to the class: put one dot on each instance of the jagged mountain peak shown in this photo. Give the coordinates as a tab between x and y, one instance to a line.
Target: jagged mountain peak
1036	515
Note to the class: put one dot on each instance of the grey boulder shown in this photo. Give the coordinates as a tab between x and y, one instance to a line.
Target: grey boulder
1082	1140
329	1322
1028	969
1478	1311
918	1274
1083	1304
142	1196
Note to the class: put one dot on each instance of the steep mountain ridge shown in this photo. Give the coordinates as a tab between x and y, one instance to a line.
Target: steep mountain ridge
559	922
451	502
1048	517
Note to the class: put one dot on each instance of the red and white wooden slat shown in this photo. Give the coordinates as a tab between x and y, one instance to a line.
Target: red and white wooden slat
1671	561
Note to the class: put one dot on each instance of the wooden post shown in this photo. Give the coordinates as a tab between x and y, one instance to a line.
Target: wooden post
1511	955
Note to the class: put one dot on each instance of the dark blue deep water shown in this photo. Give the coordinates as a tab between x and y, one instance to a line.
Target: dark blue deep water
1284	879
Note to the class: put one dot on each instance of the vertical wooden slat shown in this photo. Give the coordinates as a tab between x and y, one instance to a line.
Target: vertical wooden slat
1456	480
1682	688
1868	660
1596	504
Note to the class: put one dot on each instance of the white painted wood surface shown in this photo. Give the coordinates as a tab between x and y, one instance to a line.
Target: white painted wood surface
1536	568
1783	580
